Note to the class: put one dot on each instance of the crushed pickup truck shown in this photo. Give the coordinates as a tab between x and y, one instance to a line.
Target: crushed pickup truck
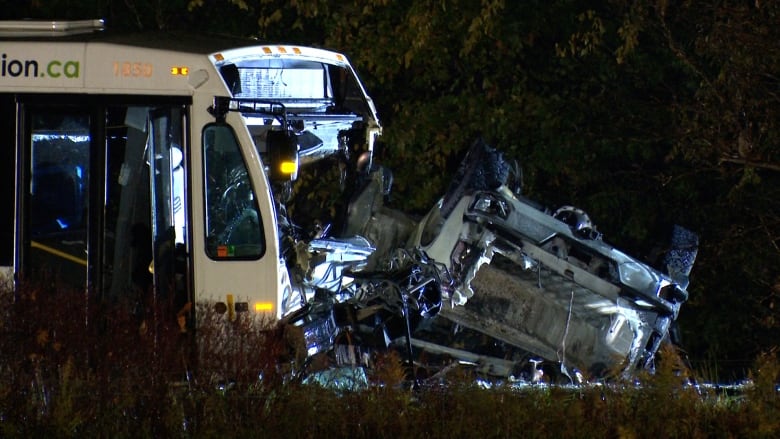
487	278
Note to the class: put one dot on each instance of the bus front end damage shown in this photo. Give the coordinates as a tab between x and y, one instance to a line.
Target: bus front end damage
487	277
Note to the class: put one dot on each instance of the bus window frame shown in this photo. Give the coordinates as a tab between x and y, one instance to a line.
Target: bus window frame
218	253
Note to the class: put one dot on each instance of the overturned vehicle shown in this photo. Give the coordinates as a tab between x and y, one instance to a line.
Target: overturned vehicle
487	278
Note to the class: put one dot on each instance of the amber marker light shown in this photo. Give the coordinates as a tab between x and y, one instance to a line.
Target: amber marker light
264	306
288	167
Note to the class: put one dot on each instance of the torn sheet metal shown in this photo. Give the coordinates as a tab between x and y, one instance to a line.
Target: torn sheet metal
534	285
546	281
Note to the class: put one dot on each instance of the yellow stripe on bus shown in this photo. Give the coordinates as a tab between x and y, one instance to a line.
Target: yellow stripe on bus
59	253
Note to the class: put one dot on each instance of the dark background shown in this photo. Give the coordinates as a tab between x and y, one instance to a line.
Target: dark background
644	114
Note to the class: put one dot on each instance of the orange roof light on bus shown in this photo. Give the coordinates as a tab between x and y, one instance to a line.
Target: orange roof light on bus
180	71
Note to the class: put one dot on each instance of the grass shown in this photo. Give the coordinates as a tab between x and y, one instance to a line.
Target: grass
67	370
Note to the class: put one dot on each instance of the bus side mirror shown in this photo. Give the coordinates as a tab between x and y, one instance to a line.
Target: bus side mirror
282	147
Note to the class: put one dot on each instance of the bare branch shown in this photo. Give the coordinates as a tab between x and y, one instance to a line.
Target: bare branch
746	162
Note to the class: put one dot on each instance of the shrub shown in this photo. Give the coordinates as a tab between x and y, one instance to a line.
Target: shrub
70	366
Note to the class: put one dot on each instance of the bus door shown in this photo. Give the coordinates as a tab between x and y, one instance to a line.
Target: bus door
104	201
165	156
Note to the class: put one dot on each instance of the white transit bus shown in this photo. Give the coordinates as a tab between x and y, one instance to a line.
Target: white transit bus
147	162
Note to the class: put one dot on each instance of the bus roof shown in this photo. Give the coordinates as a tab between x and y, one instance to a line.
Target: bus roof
41	28
82	57
74	56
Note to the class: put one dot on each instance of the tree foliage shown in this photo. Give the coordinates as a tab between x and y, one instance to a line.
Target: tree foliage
645	114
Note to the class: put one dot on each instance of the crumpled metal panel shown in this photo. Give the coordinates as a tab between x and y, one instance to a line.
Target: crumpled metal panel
559	291
540	284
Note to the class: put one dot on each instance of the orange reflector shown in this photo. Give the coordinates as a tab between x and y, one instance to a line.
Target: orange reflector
340	57
282	49
288	167
231	307
296	50
264	306
266	50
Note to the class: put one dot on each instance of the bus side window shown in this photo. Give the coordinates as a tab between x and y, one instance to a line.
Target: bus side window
233	223
57	198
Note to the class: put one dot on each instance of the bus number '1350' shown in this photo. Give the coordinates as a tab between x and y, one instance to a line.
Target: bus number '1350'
132	69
